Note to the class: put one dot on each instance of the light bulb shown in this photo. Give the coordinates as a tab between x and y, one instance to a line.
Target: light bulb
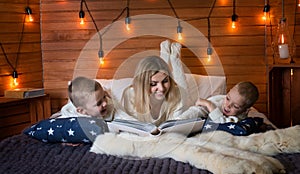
209	53
266	10
127	23
179	32
233	25
264	16
15	79
29	12
101	60
81	16
101	57
233	21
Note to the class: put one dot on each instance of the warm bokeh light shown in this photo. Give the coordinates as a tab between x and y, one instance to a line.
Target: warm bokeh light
101	60
264	16
29	18
208	58
179	36
127	23
128	27
81	21
233	24
14	83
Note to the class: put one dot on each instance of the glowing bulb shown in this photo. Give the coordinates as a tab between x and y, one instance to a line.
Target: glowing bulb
266	10
233	25
128	27
292	71
15	79
29	12
179	32
298	3
179	36
81	21
264	16
209	53
233	21
101	57
127	23
30	18
81	16
208	58
15	82
101	60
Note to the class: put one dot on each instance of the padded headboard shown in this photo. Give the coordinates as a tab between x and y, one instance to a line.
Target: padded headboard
199	86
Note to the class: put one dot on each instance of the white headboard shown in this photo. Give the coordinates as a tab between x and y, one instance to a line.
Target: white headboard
199	86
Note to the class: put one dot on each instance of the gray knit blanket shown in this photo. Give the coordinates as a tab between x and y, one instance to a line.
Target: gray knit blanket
22	154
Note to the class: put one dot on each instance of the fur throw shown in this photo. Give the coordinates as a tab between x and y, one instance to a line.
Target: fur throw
218	151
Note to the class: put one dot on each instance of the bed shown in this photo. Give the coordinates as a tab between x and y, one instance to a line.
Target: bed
22	154
110	154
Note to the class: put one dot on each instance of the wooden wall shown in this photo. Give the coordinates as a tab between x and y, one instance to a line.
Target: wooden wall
29	61
241	52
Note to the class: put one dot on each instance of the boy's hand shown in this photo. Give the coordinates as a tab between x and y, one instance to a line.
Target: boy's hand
205	103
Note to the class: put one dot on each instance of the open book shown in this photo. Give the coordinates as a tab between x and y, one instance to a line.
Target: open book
185	126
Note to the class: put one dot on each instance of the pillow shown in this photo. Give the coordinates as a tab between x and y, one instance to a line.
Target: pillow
67	130
244	127
199	86
115	87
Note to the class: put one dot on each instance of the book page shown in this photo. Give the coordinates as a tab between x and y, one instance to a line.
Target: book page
136	127
185	126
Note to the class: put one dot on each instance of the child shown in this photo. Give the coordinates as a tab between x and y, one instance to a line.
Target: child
87	99
232	107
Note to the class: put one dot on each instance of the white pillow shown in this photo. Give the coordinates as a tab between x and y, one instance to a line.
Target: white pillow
115	87
199	86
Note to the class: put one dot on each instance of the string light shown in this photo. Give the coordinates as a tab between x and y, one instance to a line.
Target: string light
81	16
209	52
101	56
209	49
179	31
14	67
81	13
29	13
15	79
234	17
127	19
179	27
298	3
266	10
127	23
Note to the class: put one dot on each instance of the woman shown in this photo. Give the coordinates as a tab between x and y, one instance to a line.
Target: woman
153	96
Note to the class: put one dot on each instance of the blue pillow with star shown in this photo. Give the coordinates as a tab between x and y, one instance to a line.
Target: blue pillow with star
244	127
67	130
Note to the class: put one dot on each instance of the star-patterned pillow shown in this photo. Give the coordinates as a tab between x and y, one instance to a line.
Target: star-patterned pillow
244	127
67	130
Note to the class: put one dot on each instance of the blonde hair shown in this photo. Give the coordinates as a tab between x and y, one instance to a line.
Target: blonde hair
146	68
81	89
249	91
